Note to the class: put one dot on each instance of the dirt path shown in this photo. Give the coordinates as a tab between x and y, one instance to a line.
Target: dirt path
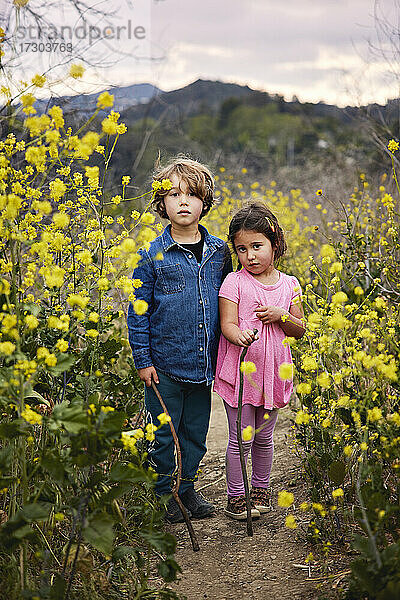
230	564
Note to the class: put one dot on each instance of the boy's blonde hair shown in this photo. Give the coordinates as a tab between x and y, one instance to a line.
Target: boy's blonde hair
197	177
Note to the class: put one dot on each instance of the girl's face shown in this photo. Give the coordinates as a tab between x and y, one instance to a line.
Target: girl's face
183	207
255	251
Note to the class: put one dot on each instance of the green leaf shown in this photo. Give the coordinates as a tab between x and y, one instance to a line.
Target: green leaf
337	472
39	511
12	429
74	418
168	569
122	551
161	541
34	394
99	532
53	464
64	362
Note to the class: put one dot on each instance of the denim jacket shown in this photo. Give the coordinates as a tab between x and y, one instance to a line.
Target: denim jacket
180	331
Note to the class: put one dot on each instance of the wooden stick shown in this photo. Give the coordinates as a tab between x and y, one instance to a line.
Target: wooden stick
175	489
240	442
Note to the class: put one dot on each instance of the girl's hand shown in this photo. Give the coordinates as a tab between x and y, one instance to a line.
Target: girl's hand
246	337
147	374
270	314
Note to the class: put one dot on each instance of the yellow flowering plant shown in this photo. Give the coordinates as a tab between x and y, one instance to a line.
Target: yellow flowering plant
69	393
346	377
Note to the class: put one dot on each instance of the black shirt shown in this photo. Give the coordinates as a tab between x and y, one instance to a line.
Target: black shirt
196	248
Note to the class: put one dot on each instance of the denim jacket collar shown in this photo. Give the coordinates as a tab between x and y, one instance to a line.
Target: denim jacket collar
168	241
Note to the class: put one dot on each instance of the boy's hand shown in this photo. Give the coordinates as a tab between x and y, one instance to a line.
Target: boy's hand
270	314
246	337
147	375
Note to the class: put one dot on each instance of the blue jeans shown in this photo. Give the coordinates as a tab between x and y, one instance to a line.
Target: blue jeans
189	406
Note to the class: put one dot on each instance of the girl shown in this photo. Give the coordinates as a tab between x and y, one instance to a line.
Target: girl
263	298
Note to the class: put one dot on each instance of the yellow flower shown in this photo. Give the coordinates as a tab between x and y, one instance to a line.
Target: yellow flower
51	360
103	284
129	442
62	345
77	300
150	430
380	303
302	418
38	80
5	287
303	388
319	192
358	291
85	257
61	220
290	522
348	450
285	499
7	348
338	321
109	127
148	218
32	417
309	363
163	418
140	307
286	371
166	184
338	493
57	189
53	276
31	321
116	199
93	333
374	414
76	71
393	146
336	267
247	433
327	250
28	99
339	298
324	379
248	367
105	100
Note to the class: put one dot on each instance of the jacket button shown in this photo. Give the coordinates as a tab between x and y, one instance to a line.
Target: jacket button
201	348
190	256
200	325
201	301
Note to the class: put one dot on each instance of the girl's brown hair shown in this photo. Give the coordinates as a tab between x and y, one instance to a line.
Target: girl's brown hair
197	177
258	217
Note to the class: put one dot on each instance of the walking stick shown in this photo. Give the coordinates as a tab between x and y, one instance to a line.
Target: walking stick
175	489
240	442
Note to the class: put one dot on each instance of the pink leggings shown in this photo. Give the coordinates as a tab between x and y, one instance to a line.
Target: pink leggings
262	447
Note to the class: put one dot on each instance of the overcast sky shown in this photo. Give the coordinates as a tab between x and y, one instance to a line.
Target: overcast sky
328	50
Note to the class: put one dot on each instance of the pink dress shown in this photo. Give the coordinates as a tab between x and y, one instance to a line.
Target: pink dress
267	353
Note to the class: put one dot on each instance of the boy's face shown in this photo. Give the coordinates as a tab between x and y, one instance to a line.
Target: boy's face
183	207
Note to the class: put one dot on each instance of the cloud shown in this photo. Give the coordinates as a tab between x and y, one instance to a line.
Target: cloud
303	47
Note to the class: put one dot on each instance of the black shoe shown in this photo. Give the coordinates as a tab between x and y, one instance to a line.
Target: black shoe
173	512
197	505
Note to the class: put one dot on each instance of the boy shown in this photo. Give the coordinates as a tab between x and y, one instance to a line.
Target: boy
175	342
